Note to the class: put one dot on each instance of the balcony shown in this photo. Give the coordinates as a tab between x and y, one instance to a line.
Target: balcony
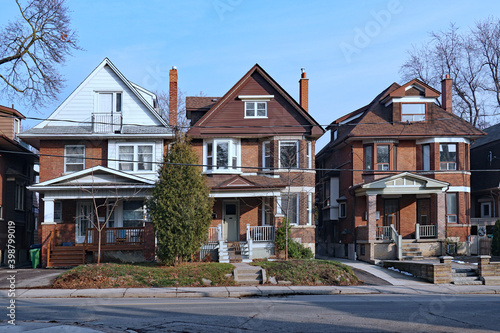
105	123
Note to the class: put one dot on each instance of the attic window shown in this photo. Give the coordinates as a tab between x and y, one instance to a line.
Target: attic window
412	112
256	109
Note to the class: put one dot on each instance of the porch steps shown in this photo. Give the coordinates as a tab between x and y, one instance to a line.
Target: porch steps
411	252
465	276
223	252
248	275
67	256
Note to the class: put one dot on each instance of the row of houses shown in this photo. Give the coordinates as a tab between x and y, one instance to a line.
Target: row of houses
393	181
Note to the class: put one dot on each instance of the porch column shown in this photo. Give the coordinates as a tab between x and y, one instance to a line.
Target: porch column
441	215
371	217
48	210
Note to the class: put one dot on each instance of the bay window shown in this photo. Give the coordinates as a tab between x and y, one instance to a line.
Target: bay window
266	155
289	154
221	155
288	204
451	207
448	156
383	157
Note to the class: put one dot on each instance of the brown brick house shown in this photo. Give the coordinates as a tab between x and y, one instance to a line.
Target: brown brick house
256	145
397	179
102	146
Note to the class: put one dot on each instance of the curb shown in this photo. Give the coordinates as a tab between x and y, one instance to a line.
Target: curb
249	291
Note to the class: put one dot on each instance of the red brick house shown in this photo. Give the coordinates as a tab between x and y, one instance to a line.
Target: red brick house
101	146
397	182
256	145
16	172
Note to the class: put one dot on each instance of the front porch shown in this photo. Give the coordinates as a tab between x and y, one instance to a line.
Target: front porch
258	243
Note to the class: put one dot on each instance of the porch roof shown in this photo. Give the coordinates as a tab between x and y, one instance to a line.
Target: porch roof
98	177
224	186
403	183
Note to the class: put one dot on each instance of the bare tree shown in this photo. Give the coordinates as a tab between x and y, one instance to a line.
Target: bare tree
31	48
471	58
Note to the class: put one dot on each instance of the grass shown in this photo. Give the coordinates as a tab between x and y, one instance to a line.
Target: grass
307	272
145	275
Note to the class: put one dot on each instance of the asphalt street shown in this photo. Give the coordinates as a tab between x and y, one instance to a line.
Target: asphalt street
335	313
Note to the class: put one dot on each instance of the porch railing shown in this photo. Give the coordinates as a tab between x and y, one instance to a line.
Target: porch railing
383	232
116	236
261	233
213	235
425	231
398	241
106	122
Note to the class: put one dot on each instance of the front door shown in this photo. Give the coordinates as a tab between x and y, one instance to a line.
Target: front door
231	221
83	220
423	211
391	213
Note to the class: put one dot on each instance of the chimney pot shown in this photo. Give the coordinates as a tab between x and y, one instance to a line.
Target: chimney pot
304	90
446	93
172	98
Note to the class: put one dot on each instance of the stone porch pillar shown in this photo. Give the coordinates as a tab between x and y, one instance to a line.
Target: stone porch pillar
441	215
371	217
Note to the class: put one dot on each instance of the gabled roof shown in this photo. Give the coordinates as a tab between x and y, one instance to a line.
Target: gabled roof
5	109
133	87
374	120
403	183
98	176
316	129
492	135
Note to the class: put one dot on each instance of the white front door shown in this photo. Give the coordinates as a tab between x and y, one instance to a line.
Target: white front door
84	216
231	221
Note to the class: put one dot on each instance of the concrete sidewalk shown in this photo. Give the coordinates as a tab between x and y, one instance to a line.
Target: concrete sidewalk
236	292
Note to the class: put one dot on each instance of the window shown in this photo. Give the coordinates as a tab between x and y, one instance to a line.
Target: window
267	209
309	155
485	209
266	155
342	210
448	156
382	157
17	126
289	151
451	207
426	157
1	215
413	112
256	109
109	102
368	157
310	210
57	211
133	213
110	214
137	157
326	191
288	205
221	155
19	199
74	158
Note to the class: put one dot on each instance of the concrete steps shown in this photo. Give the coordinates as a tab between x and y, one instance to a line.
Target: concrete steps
465	276
411	252
248	275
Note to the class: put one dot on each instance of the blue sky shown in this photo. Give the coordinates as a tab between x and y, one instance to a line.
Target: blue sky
351	50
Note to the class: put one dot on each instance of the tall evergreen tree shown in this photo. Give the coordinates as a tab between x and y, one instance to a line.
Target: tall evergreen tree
180	207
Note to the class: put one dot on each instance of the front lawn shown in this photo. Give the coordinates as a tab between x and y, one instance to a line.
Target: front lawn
145	275
308	272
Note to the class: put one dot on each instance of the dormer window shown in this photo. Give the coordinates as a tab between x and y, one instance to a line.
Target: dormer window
412	112
255	109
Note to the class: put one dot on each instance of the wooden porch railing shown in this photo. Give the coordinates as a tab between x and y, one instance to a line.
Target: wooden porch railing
116	236
261	233
383	232
213	235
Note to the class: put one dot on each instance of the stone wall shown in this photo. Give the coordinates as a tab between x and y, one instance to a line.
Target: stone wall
435	273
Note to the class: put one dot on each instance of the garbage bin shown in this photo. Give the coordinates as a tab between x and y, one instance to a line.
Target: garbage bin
35	257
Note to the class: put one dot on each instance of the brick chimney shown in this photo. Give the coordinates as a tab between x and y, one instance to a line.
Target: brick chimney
304	90
446	93
172	98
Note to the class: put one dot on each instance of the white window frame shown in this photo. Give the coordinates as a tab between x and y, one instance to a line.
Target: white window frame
310	209
66	155
57	211
282	210
488	204
309	155
255	104
264	155
234	156
296	142
114	107
412	117
135	160
448	165
452	218
266	207
426	157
